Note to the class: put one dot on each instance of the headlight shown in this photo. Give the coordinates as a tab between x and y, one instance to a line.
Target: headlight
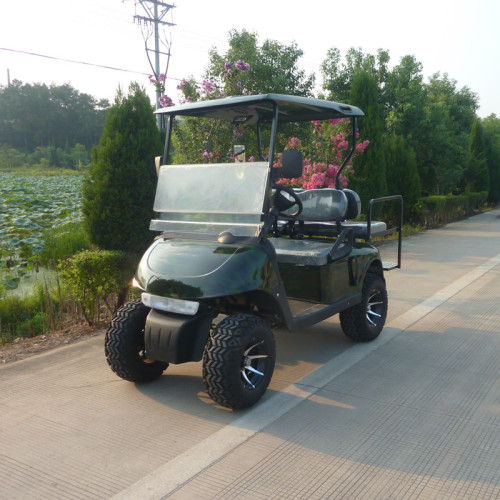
135	284
170	305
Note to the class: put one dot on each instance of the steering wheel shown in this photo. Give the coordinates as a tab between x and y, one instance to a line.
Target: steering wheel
282	203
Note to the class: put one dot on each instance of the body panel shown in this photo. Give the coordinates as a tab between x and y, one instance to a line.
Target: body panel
195	270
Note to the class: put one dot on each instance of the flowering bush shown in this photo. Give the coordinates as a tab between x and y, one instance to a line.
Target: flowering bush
159	82
328	143
228	83
329	149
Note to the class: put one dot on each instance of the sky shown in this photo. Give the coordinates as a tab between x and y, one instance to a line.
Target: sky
457	37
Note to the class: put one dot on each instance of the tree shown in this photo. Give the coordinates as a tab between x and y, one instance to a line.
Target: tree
338	76
37	115
369	169
246	68
491	127
444	135
402	173
405	99
476	175
119	192
273	67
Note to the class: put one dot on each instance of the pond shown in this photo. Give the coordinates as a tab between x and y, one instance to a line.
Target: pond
29	205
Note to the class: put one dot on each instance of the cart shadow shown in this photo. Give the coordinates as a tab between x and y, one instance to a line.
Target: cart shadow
181	387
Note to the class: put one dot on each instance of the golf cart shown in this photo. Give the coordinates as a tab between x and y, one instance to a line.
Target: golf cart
239	255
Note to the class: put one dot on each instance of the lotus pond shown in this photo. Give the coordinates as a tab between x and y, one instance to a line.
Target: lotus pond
29	205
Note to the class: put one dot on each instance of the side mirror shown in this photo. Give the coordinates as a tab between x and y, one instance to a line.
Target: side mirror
292	164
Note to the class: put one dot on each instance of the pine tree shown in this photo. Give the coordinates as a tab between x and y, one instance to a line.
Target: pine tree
119	192
476	175
402	173
369	178
491	127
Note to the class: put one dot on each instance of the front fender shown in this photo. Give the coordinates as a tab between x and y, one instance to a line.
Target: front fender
194	270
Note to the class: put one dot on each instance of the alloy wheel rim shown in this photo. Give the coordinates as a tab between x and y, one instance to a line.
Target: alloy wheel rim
253	365
374	308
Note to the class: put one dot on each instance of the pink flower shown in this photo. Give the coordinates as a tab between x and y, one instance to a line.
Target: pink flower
332	171
334	121
361	147
207	86
317	180
242	65
165	101
294	143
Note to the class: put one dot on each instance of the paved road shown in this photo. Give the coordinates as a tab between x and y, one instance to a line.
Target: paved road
415	414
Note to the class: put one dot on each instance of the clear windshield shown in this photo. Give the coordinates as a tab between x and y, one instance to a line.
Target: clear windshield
211	198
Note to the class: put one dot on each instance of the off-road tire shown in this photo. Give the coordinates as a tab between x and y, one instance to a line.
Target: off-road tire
364	321
124	345
239	344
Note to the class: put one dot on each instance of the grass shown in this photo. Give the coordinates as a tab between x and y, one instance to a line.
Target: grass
40	309
30	315
63	242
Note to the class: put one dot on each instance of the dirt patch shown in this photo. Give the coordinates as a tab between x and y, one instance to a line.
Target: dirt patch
22	348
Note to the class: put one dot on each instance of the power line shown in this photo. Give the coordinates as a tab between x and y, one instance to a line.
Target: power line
81	62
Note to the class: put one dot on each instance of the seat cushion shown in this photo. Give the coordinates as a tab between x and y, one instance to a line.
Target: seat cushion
330	229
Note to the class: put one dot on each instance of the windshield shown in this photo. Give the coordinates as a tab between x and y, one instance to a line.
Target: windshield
211	198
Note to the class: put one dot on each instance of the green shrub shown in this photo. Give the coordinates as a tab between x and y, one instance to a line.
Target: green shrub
436	210
97	278
28	315
64	241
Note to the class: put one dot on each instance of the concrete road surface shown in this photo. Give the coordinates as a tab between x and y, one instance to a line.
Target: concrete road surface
415	414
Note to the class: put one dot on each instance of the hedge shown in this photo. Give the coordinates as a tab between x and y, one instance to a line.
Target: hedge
435	210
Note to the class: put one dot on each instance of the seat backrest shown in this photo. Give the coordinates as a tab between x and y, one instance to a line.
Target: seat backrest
322	205
353	204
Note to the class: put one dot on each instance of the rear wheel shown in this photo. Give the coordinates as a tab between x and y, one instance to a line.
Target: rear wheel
364	321
238	361
124	345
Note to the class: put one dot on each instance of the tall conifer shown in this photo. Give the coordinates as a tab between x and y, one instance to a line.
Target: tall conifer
369	178
119	192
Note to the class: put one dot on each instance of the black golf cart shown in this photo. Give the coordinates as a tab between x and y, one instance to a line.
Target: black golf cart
239	255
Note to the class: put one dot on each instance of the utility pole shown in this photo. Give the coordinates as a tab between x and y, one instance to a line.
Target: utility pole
153	24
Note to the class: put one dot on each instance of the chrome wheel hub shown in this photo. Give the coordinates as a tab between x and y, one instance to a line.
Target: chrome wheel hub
253	365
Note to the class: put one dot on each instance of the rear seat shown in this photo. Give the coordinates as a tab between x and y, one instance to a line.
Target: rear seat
323	208
320	205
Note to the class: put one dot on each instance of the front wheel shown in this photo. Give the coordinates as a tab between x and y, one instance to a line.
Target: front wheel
364	321
238	361
124	345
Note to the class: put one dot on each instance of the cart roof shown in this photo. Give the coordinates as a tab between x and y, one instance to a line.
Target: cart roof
249	109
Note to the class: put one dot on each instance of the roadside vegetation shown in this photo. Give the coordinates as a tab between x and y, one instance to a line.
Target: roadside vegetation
77	178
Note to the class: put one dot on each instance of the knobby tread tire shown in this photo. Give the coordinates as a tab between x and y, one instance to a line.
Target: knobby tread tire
353	320
223	357
124	343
